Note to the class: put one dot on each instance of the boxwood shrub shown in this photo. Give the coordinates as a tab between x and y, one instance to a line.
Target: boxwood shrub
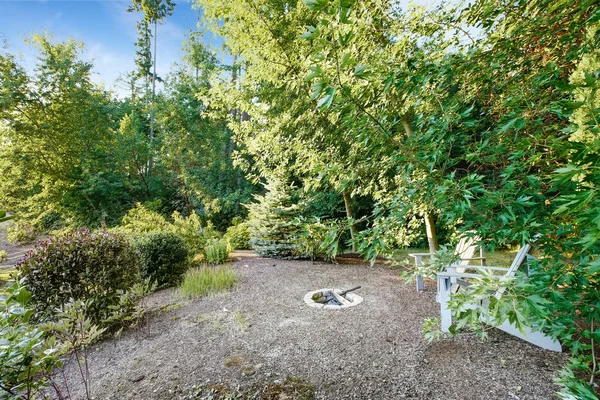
96	267
164	258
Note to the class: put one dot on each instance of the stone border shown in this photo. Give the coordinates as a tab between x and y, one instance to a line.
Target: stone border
351	300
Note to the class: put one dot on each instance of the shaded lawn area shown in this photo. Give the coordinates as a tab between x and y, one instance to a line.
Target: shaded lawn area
261	339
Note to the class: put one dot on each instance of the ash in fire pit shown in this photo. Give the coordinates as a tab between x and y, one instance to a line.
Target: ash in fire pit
332	299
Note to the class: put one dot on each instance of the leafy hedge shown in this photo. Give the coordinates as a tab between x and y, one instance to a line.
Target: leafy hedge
164	258
81	265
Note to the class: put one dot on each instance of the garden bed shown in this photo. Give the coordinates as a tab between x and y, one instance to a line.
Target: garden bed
261	339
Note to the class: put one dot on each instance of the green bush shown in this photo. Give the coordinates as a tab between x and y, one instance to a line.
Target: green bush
318	239
3	255
216	251
238	235
164	258
204	281
21	232
27	356
141	220
191	231
92	267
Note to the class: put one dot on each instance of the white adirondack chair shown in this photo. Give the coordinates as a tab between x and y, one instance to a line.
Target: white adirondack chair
452	274
465	249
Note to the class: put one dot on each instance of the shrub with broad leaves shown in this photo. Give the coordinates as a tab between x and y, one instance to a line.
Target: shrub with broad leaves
93	267
27	356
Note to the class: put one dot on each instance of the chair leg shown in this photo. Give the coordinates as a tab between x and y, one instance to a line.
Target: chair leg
420	284
444	287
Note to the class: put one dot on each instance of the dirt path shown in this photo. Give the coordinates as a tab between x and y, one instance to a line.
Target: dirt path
263	335
15	252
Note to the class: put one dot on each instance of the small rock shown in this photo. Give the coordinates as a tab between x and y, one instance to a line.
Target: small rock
137	378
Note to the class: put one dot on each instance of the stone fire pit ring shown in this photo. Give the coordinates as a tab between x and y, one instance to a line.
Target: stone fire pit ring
347	301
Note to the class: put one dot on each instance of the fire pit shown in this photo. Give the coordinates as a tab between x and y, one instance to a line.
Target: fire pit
332	299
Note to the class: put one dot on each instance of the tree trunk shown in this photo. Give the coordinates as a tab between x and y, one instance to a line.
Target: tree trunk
429	224
150	159
349	215
431	235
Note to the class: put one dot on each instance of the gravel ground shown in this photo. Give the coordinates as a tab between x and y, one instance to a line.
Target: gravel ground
14	252
262	335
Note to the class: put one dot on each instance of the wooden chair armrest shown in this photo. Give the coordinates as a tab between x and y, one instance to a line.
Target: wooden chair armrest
478	267
484	267
447	274
420	254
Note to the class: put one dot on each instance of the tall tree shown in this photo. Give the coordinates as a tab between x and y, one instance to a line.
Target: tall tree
155	11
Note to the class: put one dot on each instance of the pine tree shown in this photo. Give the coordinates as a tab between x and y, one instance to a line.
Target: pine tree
272	220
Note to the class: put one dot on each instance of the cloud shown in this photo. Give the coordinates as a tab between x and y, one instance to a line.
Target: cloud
109	65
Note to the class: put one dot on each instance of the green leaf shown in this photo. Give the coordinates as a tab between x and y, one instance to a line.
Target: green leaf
326	100
360	71
517	123
316	5
315	72
310	33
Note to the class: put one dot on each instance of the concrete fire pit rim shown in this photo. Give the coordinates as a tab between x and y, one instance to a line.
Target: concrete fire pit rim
353	298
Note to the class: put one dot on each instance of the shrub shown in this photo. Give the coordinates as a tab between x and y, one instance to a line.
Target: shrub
27	357
318	239
204	281
141	220
21	232
238	235
3	255
191	231
164	258
92	267
216	251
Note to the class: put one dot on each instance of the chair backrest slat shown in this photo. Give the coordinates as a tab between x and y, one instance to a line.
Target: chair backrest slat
466	249
516	264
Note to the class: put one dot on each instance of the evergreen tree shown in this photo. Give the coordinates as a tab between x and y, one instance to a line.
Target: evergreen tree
272	220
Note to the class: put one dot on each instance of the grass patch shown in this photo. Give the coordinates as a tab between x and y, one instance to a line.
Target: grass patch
241	320
499	258
204	281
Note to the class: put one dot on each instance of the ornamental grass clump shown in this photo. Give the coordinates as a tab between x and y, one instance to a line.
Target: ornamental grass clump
216	252
199	282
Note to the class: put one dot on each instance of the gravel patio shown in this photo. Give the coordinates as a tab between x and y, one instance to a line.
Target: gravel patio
262	338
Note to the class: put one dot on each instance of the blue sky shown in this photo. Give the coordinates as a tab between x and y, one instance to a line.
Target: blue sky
108	31
106	28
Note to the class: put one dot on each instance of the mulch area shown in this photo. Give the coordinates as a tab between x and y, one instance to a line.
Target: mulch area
261	340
